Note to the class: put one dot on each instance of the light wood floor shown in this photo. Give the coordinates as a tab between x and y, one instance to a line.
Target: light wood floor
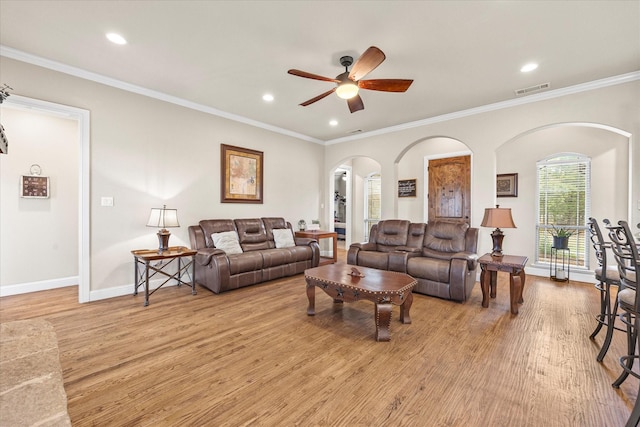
252	357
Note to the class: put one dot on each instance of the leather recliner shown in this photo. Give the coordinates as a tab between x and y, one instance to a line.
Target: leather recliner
259	261
447	266
441	256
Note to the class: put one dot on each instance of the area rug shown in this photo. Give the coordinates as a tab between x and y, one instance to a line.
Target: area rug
31	386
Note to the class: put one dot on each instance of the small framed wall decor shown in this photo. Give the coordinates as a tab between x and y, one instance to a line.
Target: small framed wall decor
507	185
34	186
407	188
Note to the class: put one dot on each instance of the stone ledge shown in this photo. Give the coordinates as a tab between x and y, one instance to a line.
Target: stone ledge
31	385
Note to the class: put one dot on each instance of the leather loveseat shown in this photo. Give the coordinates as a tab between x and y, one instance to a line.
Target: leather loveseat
441	256
258	255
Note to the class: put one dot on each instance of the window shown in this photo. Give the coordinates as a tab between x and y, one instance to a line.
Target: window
372	203
564	188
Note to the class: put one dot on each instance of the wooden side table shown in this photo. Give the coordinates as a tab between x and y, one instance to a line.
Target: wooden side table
319	234
512	264
142	261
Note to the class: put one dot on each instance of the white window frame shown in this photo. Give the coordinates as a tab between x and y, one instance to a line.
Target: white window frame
578	260
368	222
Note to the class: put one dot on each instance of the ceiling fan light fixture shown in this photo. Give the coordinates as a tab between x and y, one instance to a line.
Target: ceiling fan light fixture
347	90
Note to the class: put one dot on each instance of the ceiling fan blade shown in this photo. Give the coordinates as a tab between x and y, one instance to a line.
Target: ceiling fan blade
385	85
355	104
318	98
312	76
369	60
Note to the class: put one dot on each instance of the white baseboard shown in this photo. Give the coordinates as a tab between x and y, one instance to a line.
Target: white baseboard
541	271
23	288
122	290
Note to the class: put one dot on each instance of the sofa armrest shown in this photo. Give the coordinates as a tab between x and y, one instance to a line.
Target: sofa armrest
470	257
315	248
365	246
352	255
304	241
204	255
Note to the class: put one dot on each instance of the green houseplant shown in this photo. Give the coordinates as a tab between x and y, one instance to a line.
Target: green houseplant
561	236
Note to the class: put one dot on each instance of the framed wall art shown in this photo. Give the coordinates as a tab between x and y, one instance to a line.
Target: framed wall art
407	188
241	179
34	187
507	185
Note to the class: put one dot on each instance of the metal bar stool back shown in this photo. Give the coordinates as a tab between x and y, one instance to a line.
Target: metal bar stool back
607	275
625	251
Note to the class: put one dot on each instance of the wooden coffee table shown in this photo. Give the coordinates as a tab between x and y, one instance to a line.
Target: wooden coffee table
384	288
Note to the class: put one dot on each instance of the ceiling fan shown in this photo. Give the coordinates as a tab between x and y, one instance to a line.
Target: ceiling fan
349	82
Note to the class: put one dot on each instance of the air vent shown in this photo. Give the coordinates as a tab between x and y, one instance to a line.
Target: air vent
354	131
532	89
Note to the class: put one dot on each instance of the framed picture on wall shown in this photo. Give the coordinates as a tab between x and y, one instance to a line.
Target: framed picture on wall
34	187
241	178
507	185
407	188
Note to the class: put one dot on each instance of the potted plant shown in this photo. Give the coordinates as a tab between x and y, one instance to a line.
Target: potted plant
561	237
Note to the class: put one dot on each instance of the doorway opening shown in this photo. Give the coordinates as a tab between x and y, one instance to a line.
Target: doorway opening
83	125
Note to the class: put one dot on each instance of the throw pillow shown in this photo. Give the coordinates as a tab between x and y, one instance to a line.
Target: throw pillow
283	238
227	241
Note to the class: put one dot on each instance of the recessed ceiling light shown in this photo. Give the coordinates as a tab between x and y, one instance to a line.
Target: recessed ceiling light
116	38
529	67
267	97
333	123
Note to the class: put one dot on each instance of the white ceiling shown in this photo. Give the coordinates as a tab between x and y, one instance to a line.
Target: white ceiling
225	55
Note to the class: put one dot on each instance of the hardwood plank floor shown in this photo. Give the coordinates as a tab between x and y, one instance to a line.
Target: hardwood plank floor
252	357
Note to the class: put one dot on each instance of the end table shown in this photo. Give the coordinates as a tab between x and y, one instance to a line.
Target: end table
512	264
319	234
142	261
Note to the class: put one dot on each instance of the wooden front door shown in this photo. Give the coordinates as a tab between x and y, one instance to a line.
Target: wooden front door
450	189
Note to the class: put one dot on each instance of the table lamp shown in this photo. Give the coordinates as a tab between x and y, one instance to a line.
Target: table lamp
500	218
163	218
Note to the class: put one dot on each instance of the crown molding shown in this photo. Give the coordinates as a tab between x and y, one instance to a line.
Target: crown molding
529	99
99	78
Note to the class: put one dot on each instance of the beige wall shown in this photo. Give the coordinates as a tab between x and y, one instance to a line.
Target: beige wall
485	135
145	153
39	236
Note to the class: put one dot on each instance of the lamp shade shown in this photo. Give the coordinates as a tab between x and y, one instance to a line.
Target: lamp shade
498	217
163	218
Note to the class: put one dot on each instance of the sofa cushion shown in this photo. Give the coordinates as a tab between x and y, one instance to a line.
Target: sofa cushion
283	238
210	226
244	262
227	241
392	232
374	259
443	236
252	234
433	269
275	257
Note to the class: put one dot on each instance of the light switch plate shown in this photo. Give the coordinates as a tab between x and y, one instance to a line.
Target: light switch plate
106	201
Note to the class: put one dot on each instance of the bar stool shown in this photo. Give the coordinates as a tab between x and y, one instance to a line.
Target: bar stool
625	251
607	276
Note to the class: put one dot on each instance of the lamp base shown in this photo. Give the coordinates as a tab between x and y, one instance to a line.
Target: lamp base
497	236
163	239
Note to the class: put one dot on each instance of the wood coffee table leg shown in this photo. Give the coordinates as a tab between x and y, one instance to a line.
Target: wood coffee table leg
383	321
405	317
311	296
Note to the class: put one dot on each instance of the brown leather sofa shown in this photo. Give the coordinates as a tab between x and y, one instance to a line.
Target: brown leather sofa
441	256
260	259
